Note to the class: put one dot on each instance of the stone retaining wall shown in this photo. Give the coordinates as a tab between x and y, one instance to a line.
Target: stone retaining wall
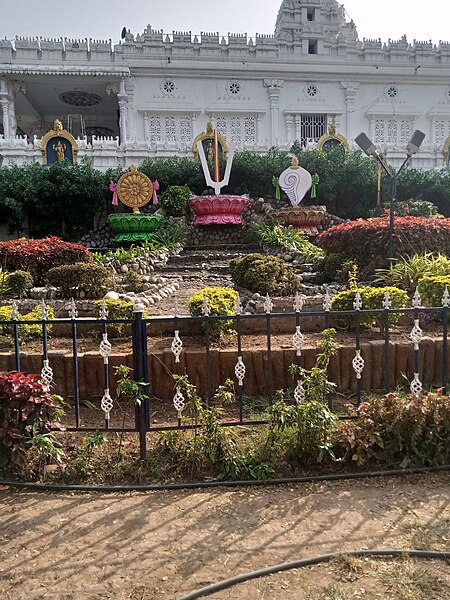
258	209
223	361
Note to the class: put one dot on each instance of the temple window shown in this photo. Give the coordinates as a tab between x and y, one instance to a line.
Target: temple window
312	127
311	14
313	47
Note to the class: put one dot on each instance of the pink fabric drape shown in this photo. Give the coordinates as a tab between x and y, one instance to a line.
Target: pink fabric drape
113	189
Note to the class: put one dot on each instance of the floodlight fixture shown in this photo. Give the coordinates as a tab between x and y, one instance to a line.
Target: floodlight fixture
415	143
369	148
366	145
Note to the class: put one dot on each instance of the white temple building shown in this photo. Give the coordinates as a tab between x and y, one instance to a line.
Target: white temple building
152	93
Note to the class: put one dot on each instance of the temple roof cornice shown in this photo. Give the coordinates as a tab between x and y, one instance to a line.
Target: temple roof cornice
17	69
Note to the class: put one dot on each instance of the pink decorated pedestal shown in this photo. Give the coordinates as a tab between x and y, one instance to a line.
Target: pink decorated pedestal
218	210
305	219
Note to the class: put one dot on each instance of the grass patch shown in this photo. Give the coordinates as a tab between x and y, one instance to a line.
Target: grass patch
405	580
432	536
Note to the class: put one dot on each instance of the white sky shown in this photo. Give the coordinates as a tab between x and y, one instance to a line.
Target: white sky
104	19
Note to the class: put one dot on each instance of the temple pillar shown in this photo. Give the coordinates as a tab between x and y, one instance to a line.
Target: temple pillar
350	90
289	121
4	103
298	128
372	128
146	127
258	128
122	98
274	88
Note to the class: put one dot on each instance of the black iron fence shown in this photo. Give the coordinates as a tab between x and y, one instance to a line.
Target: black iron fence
420	368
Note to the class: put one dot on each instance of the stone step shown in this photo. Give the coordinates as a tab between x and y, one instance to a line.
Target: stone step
195	268
241	248
202	257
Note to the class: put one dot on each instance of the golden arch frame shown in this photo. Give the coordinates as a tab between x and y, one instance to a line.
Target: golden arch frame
59	131
332	135
209	135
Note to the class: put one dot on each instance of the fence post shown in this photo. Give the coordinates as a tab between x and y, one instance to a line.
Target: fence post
140	371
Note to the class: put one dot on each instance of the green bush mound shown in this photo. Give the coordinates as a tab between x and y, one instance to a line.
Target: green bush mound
90	277
372	299
16	284
39	256
432	288
175	200
366	241
221	301
333	267
26	332
265	275
407	271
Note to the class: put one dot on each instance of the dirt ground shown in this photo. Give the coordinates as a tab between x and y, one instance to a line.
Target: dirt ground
146	546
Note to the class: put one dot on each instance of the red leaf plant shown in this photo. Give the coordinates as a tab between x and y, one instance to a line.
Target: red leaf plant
26	409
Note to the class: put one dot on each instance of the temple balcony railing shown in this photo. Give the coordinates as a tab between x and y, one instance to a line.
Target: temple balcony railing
107	152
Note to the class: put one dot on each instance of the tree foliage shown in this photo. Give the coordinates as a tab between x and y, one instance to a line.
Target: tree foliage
59	199
63	200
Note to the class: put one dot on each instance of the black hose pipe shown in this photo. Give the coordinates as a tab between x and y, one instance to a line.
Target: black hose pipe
157	487
306	562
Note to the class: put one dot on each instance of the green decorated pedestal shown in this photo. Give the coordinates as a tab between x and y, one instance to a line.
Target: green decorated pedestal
131	228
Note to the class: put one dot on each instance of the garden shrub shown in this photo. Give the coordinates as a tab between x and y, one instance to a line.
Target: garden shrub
170	233
271	235
305	431
432	288
264	274
26	331
59	199
122	255
372	299
221	301
133	282
399	428
26	410
333	267
39	256
18	283
118	309
366	241
410	208
90	277
175	200
407	271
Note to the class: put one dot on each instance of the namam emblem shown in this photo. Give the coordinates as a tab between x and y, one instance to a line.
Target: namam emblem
134	189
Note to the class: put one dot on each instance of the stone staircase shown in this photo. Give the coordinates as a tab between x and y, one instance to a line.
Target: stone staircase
206	266
199	267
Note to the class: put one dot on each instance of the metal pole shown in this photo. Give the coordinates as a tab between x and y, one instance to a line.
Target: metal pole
393	200
139	373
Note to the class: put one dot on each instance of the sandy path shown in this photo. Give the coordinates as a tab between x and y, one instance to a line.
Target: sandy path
160	544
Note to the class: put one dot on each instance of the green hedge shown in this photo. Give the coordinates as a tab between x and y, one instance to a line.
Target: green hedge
63	200
432	288
26	331
365	241
221	301
372	299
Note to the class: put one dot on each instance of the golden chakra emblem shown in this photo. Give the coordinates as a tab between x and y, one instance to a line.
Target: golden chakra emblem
134	189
